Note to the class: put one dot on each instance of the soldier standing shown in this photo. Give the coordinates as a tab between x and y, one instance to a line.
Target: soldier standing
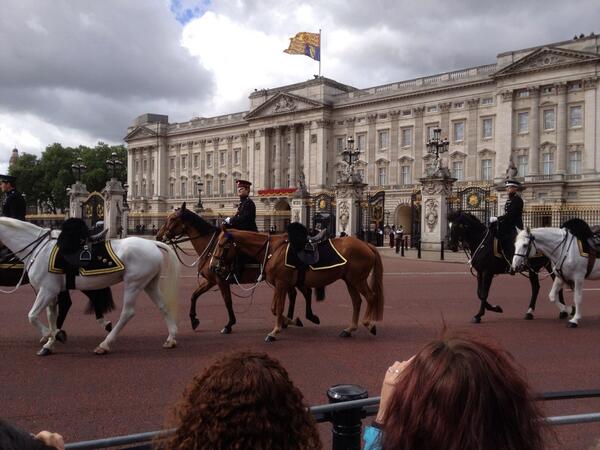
14	203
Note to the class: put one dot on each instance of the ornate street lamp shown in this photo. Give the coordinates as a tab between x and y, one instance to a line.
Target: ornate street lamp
114	164
78	168
437	145
350	157
199	184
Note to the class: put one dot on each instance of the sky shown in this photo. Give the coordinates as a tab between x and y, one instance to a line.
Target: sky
78	72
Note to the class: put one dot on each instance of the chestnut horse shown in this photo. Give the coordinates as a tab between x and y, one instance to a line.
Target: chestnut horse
362	259
203	236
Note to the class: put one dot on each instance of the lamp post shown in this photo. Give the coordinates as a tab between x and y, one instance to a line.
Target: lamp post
78	168
199	184
350	157
437	145
387	218
114	164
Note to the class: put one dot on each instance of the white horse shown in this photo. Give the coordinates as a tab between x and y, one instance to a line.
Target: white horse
562	249
143	263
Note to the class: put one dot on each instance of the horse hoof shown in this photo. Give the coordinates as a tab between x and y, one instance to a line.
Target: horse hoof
571	325
44	352
314	319
170	344
298	322
226	330
108	327
61	336
345	334
100	351
563	315
528	316
270	338
44	339
496	309
373	330
476	319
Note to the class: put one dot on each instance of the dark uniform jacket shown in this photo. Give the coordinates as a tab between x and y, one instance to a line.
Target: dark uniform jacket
513	215
245	217
14	205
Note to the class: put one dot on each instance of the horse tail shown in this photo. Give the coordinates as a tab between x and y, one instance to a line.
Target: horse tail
320	293
377	285
170	282
99	301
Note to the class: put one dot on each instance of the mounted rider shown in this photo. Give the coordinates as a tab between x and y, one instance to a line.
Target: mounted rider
512	218
244	219
14	203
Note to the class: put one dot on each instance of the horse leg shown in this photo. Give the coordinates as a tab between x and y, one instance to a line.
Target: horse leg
484	282
130	293
482	299
277	307
42	300
578	300
557	288
201	289
369	296
307	292
226	294
292	298
534	280
356	303
153	291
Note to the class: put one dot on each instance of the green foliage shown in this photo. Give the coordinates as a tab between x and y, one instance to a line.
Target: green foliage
44	181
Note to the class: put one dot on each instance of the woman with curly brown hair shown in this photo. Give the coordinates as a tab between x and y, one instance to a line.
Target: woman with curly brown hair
245	400
457	393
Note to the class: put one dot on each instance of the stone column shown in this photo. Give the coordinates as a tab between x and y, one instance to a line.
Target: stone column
292	169
140	173
394	148
504	133
445	120
590	125
309	169
177	171
113	207
261	159
561	129
347	207
162	164
77	195
419	142
130	170
300	210
216	164
434	193
534	132
321	156
190	168
371	150
229	188
244	151
470	168
251	159
277	161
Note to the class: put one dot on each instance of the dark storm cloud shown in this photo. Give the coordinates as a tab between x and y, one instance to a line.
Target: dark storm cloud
94	65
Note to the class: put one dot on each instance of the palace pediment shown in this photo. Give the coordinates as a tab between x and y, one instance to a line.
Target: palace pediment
283	103
547	58
139	132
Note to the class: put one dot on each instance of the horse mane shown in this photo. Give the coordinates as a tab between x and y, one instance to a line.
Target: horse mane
578	228
72	232
197	222
466	219
297	235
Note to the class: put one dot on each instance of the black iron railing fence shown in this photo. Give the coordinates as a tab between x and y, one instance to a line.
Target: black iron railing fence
346	418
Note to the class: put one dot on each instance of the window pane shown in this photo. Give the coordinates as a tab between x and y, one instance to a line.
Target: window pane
383	140
406	137
523	165
523	122
549	119
405	176
457	170
459	131
487	128
360	142
486	169
575	116
548	163
575	163
382	176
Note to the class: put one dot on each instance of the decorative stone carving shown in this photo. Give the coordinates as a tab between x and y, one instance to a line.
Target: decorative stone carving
507	96
561	88
302	190
512	170
350	121
296	216
344	214
445	107
437	188
534	91
431	213
590	83
419	111
543	61
371	119
473	103
285	104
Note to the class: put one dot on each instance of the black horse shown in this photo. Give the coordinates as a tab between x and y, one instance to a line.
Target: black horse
488	261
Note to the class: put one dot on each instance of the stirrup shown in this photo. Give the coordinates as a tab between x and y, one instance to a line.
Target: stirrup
86	254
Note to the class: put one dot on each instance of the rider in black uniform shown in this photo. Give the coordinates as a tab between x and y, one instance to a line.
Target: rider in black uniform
511	220
14	203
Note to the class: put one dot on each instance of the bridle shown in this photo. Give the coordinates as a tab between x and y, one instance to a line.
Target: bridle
224	248
185	236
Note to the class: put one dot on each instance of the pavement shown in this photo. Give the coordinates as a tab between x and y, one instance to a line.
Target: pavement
426	255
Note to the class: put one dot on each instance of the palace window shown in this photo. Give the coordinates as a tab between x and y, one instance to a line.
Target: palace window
339	144
236	156
459	105
430	129
523	165
222	186
459	131
361	141
382	176
487	101
575	162
172	163
487	130
432	109
406	139
486	169
549	119
405	175
183	189
383	139
137	166
575	116
548	163
209	160
406	112
458	170
183	162
195	161
222	158
145	165
523	122
171	189
208	187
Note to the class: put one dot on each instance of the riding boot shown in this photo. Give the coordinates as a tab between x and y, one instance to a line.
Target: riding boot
64	304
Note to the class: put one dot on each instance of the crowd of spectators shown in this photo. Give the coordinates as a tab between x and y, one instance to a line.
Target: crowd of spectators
456	393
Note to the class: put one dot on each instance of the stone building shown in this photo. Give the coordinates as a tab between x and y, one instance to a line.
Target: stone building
539	106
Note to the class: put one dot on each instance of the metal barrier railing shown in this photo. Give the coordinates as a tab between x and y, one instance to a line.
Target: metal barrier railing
361	408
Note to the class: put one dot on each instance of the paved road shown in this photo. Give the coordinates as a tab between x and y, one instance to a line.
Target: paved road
85	396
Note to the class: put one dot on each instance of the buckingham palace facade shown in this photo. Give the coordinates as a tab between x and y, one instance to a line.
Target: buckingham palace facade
539	106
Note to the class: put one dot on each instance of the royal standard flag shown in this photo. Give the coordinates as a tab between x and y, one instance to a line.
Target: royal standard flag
308	44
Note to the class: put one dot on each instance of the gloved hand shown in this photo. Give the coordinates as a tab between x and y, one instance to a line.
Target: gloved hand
493	219
227	220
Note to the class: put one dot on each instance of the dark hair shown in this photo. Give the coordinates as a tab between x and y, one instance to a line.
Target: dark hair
245	400
460	393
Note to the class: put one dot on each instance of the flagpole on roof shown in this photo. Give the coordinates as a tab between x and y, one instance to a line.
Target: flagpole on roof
320	51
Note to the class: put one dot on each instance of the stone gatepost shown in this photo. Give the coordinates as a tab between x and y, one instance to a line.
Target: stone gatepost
301	210
436	189
78	193
113	207
348	196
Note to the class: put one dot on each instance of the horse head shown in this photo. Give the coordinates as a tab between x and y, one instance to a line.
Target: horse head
457	229
183	222
524	249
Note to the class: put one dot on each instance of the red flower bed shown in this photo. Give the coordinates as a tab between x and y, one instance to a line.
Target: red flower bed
276	192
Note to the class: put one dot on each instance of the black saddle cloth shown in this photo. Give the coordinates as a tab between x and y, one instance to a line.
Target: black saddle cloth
102	260
328	257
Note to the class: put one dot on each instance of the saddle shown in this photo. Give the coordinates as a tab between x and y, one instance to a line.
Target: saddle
594	240
82	257
309	254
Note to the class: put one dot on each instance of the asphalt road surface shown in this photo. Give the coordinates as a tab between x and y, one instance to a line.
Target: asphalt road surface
84	396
